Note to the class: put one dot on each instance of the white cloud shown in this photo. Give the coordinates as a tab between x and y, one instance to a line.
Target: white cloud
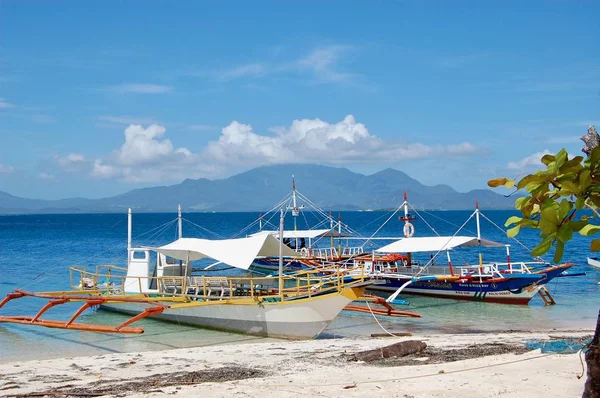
143	146
147	156
72	162
71	158
138	88
321	64
101	170
4	104
6	169
322	61
534	160
313	140
47	176
248	70
126	119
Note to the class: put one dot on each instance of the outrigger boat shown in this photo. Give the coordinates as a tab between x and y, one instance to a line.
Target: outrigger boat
295	306
314	245
500	282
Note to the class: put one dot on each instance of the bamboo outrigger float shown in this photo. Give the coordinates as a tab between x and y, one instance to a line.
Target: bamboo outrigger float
293	306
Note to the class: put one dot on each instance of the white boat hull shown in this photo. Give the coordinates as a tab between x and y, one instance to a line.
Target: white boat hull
298	319
594	262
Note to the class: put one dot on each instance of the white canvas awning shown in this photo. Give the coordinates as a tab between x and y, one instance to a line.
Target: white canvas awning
434	244
239	253
302	233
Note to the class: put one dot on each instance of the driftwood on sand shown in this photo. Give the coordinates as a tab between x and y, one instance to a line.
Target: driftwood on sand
400	349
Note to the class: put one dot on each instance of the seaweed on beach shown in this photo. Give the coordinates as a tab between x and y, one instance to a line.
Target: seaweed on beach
148	384
433	355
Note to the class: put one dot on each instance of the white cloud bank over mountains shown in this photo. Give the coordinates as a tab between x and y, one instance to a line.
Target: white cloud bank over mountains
147	156
529	162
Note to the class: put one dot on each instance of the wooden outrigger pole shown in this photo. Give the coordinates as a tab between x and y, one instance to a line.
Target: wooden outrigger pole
88	301
387	311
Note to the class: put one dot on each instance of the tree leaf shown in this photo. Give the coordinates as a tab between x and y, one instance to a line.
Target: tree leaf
569	184
585	179
499	182
564	209
520	202
531	178
547	159
559	251
551	212
594	157
512	232
572	165
561	158
564	234
548	226
543	247
577	225
589	229
511	220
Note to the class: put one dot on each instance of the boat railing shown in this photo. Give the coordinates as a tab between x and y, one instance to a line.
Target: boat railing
325	252
519	266
352	251
420	270
304	283
103	278
478	271
331	252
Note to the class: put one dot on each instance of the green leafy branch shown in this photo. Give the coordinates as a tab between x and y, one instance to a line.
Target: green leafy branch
555	199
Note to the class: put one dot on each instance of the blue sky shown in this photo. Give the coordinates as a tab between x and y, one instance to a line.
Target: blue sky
97	98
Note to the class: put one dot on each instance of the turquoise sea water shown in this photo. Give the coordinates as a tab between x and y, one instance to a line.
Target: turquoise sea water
36	252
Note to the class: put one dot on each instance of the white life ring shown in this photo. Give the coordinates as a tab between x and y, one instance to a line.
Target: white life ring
304	251
409	230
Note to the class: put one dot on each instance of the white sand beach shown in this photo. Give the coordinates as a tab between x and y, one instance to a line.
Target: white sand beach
488	365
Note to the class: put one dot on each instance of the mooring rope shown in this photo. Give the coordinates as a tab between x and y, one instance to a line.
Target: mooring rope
377	320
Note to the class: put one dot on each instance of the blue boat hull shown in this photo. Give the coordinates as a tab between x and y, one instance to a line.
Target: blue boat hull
510	291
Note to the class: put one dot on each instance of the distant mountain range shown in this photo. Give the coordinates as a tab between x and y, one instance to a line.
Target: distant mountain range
260	188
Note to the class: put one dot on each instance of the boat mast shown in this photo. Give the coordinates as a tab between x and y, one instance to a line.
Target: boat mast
281	254
405	204
339	235
479	237
128	236
179	230
180	234
409	229
295	209
331	231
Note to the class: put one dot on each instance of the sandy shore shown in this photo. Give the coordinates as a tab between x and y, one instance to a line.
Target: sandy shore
465	365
